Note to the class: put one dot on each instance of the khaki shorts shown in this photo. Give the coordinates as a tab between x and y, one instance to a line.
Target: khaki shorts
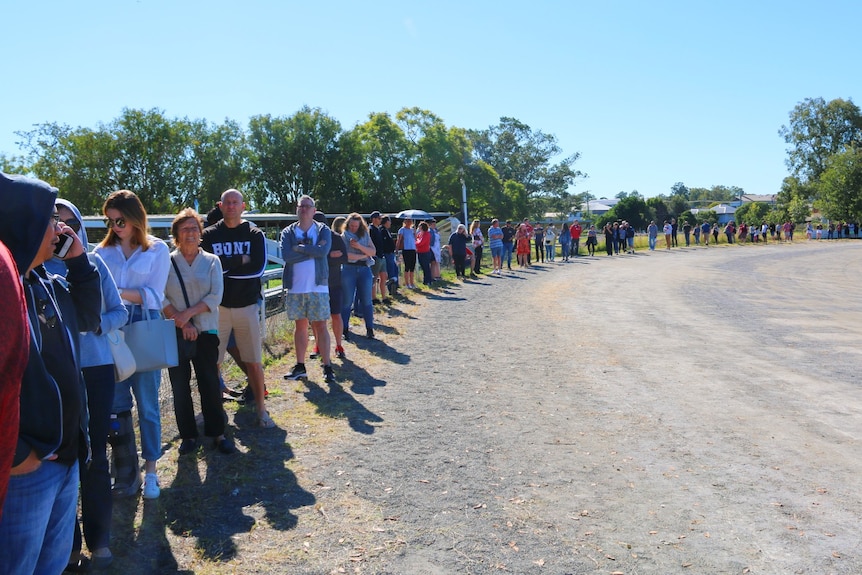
245	324
310	306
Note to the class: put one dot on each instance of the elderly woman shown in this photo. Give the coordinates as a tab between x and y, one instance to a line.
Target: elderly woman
458	249
356	276
139	263
193	293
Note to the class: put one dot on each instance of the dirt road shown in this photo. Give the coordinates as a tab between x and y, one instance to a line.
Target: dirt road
693	411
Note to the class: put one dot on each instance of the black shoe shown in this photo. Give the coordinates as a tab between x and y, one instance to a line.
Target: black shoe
248	395
298	372
346	335
225	446
328	374
314	354
375	301
370	334
232	393
188	446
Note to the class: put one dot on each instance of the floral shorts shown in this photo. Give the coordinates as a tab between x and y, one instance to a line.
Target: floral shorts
310	306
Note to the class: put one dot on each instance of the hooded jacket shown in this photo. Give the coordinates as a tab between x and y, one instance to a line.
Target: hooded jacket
95	349
53	397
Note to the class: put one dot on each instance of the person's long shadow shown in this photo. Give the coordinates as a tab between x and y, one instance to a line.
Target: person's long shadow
380	348
240	490
141	548
339	404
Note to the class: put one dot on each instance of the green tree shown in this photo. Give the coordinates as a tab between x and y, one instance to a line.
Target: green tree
817	130
13	164
291	157
751	213
794	199
841	186
385	157
680	189
219	161
82	163
518	153
658	210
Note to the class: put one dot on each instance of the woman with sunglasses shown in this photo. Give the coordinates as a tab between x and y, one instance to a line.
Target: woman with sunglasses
139	263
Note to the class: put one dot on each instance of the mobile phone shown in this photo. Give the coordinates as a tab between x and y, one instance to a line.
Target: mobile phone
63	245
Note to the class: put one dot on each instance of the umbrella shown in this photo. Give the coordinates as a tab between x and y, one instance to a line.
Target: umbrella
414	215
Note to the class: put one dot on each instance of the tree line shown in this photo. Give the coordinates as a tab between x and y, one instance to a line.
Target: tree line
411	160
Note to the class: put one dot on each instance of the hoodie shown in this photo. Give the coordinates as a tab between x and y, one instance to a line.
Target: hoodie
53	412
95	349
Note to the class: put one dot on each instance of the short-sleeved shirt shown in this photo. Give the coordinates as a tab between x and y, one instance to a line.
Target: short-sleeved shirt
408	237
495	237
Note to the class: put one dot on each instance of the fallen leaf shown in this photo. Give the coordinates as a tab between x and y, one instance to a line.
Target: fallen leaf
686	564
540	562
836	554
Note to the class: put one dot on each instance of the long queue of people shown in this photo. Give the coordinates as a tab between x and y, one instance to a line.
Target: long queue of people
62	404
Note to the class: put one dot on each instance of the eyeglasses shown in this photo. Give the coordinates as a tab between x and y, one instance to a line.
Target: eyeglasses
304	207
119	222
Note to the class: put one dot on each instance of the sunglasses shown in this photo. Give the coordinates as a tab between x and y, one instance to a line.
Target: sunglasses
119	222
73	223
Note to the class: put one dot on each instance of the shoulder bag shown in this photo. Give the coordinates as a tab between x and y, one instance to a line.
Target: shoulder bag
153	341
187	349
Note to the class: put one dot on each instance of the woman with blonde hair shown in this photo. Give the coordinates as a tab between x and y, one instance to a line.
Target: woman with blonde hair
139	263
356	276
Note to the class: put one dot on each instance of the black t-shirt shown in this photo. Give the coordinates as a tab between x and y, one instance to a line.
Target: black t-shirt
459	244
508	234
241	281
335	263
387	241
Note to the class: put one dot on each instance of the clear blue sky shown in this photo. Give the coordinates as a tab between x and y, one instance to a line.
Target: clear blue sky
649	93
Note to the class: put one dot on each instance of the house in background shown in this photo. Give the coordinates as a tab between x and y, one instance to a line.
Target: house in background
770	199
723	211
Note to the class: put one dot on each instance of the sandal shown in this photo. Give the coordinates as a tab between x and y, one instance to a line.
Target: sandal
265	421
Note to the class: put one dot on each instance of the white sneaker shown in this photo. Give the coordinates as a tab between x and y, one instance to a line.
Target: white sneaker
151	486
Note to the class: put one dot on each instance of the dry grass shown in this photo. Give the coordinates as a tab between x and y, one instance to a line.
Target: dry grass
265	510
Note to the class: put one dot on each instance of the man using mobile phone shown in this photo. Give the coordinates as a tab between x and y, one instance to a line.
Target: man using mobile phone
39	514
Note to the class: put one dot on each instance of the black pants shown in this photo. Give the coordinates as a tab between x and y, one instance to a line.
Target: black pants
205	363
540	252
477	258
459	260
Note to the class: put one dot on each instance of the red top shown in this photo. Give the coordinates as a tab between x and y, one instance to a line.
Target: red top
423	242
575	230
14	350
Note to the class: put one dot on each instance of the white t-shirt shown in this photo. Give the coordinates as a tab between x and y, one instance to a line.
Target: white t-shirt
303	272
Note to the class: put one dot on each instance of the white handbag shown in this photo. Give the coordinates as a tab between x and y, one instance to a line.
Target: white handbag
124	361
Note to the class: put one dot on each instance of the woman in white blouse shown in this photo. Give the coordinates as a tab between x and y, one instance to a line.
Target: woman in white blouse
138	261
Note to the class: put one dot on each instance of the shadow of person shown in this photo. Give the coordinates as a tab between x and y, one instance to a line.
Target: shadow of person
380	349
241	491
339	404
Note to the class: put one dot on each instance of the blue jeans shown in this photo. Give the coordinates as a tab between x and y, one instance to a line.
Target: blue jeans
391	266
356	281
145	386
96	501
549	252
652	240
507	253
39	520
425	263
